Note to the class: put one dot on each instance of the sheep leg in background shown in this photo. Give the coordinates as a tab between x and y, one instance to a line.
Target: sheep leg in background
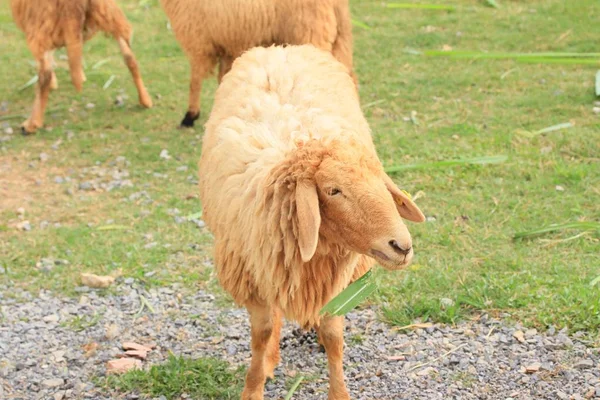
201	65
331	334
261	321
272	357
225	64
42	91
342	47
74	42
132	64
53	81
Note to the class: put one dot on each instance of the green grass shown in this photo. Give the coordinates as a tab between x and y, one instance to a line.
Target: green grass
465	110
203	378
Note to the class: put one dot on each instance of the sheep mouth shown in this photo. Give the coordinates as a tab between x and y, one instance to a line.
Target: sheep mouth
388	263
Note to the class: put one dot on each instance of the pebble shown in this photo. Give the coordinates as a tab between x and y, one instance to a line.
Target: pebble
52	383
164	154
584	364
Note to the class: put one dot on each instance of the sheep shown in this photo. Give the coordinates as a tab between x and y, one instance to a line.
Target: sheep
219	31
296	198
50	24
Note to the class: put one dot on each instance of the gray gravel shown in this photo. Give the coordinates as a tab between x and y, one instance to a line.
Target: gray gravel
42	353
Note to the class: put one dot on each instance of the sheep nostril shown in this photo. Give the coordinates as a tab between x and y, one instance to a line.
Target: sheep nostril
398	249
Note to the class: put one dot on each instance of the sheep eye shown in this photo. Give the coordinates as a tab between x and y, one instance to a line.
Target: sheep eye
334	192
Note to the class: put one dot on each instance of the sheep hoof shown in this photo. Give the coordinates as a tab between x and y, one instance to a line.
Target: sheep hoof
188	120
28	128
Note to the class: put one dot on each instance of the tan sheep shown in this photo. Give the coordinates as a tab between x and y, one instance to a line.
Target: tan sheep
220	31
50	24
296	198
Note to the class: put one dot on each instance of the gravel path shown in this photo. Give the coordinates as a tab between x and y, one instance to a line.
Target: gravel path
42	353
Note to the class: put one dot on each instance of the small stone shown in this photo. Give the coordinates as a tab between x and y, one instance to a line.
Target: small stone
535	367
562	395
119	101
60	395
8	130
530	333
51	318
24	226
559	188
112	331
446	302
59	179
58	355
122	365
85	186
583	364
596	110
519	336
90	105
164	154
182	168
44	157
52	383
21	211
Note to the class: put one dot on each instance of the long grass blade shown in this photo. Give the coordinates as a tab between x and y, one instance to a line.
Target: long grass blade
492	3
583	226
294	387
566	61
360	24
30	82
100	63
480	54
421	6
448	163
552	128
595	281
350	297
598	83
108	82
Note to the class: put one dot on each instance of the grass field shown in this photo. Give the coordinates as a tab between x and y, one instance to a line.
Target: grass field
466	258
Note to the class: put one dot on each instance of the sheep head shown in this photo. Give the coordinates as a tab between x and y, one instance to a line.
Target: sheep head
347	199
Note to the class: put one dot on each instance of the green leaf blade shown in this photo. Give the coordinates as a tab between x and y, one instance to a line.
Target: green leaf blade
598	83
350	297
497	159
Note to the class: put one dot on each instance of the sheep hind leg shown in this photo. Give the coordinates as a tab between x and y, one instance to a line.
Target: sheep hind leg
53	80
331	333
225	64
261	321
132	64
273	355
42	92
201	65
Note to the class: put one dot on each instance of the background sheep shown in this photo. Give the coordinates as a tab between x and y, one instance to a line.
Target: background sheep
211	31
296	197
50	24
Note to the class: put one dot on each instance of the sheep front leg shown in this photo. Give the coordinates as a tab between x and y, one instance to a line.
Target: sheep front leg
273	357
331	334
132	64
261	321
42	91
201	65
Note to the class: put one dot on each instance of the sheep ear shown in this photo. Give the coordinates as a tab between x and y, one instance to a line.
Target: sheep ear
406	208
309	219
